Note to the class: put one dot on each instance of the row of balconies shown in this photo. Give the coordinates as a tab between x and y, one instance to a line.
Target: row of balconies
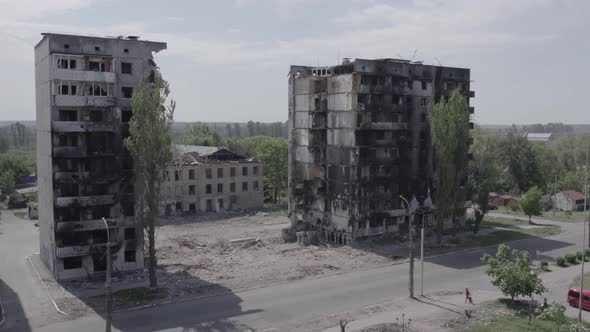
83	126
90	249
90	225
79	152
81	101
95	200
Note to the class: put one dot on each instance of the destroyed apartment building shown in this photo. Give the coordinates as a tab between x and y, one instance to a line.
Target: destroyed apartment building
358	139
208	178
84	87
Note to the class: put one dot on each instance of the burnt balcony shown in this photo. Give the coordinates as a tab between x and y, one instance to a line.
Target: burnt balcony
83	126
471	94
90	225
69	151
95	200
365	125
471	110
70	177
471	125
81	101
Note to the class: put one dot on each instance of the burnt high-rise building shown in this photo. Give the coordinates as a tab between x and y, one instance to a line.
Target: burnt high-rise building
84	87
358	139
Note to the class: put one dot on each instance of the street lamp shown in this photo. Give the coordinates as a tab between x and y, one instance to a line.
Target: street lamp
107	283
411	248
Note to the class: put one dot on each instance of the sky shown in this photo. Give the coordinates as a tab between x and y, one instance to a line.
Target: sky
227	60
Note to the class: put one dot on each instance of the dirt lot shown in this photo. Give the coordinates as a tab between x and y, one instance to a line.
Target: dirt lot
201	254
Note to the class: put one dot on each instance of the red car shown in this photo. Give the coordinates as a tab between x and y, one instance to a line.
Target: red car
573	298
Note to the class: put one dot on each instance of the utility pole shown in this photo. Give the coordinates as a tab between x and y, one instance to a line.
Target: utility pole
583	238
411	248
422	258
107	283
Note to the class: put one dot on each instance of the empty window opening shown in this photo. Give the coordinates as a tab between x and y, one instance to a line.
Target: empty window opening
191	174
208	173
126	115
129	256
255	185
232	187
207	189
244	186
245	171
71	263
232	171
220	172
126	50
126	68
96	48
67	115
424	85
94	65
66	46
176	175
127	92
220	203
178	206
209	205
220	187
191	190
192	207
423	101
129	233
255	170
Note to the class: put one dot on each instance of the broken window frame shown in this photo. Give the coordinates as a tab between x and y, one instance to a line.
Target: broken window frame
98	89
71	88
127	68
68	62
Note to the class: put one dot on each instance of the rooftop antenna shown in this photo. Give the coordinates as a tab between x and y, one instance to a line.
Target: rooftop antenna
413	55
440	64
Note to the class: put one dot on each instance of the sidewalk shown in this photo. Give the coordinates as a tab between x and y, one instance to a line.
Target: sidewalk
429	313
441	312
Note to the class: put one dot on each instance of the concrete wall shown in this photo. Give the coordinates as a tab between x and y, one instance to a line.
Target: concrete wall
174	191
49	128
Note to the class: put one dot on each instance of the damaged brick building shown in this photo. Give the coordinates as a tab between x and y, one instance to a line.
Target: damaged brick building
359	138
83	98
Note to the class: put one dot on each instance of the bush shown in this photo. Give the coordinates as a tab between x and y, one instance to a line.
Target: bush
514	206
571	258
544	265
560	261
587	252
580	255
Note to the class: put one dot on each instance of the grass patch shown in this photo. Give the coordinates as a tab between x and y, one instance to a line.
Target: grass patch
138	296
549	215
507	222
513	318
576	282
502	236
20	214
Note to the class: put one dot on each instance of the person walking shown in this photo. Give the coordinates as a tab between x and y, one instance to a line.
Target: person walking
468	296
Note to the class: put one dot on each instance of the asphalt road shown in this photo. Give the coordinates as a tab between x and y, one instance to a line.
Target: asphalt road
273	308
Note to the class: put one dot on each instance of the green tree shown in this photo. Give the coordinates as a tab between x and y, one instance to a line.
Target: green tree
7	182
149	143
200	134
273	153
521	162
531	203
555	313
449	125
573	180
483	175
3	145
510	272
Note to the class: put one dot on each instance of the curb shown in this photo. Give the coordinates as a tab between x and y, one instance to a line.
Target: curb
46	289
402	261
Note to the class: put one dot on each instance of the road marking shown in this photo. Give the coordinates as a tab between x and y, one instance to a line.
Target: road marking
46	289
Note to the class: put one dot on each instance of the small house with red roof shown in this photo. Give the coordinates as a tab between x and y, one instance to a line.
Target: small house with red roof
568	200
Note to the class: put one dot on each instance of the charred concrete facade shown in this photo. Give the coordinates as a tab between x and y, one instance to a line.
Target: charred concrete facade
83	99
208	178
359	138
